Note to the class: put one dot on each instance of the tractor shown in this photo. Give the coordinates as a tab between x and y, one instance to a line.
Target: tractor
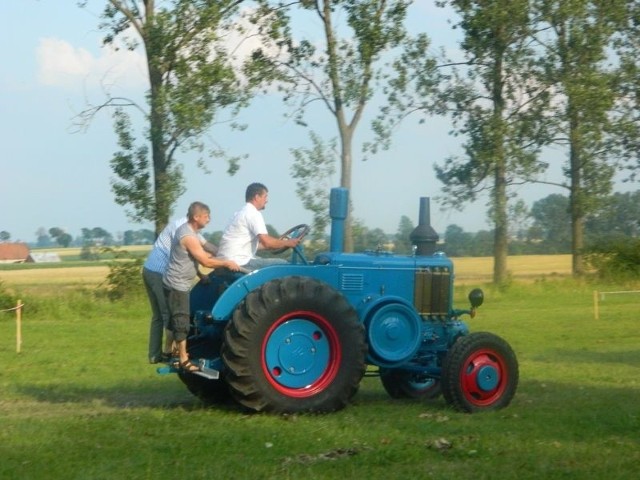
299	337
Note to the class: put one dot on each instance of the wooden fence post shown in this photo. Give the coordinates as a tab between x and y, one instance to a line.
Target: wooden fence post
18	326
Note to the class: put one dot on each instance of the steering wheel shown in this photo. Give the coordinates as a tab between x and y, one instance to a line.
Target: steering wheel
299	232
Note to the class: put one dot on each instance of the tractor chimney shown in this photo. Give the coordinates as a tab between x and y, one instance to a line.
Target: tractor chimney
338	211
424	237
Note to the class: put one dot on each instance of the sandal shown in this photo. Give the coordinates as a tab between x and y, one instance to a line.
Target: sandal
188	366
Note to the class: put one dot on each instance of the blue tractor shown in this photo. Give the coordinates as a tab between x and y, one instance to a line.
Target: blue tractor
300	337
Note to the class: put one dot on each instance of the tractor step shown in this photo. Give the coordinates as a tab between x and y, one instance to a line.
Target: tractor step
166	370
208	373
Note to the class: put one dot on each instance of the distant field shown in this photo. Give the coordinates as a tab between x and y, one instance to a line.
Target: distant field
74	252
468	270
523	267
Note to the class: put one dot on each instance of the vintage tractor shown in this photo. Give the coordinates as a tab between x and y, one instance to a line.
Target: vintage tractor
299	337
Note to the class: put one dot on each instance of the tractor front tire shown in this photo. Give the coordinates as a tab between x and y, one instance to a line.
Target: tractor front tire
294	345
405	384
480	373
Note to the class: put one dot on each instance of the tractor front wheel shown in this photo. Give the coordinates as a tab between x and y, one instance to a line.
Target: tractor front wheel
405	384
480	373
294	345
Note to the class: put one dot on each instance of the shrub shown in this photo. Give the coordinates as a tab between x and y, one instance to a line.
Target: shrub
615	259
124	278
7	299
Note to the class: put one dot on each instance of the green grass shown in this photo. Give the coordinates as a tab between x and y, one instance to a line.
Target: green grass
80	402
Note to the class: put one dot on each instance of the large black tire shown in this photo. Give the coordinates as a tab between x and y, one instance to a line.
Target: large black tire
480	373
405	384
209	391
294	345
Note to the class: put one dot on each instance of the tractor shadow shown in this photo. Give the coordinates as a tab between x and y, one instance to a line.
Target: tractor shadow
126	395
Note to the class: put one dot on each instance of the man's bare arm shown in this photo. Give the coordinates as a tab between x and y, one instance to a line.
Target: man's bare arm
194	247
269	242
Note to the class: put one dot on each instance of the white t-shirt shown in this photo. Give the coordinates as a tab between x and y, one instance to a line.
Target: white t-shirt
240	237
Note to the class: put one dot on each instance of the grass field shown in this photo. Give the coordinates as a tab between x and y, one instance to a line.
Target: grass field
80	401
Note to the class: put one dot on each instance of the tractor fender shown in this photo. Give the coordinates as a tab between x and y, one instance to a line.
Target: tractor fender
238	290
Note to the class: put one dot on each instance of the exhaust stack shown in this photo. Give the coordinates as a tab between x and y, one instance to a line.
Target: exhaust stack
424	237
338	210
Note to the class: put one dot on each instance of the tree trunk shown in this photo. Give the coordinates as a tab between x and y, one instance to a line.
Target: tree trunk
500	243
576	205
162	204
346	136
501	232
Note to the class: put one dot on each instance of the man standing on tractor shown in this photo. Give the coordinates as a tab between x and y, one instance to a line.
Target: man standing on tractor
154	267
186	254
247	232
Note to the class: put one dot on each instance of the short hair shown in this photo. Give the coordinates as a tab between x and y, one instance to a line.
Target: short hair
253	190
196	208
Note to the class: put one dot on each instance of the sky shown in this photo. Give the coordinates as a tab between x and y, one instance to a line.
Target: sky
51	175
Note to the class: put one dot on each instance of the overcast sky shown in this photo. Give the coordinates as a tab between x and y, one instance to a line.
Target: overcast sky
53	64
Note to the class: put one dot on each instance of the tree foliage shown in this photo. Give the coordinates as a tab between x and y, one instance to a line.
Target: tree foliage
575	40
339	68
402	237
191	78
313	169
497	110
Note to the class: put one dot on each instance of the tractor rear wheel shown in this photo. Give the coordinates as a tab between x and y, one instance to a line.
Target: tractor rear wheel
480	373
294	345
404	384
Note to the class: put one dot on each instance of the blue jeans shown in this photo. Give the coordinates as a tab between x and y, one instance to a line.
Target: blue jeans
159	312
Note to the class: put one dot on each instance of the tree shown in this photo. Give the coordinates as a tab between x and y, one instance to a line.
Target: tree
457	241
368	239
96	236
575	40
42	238
5	236
498	112
190	79
340	68
313	169
402	240
552	222
627	109
60	236
138	237
620	216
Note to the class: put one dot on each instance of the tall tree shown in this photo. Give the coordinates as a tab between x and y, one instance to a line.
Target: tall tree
552	222
498	113
313	168
626	44
340	66
620	216
575	42
190	79
402	240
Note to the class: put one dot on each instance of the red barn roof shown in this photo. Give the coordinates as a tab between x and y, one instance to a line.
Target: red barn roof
13	252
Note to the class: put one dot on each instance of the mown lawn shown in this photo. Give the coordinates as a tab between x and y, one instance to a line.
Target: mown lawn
80	402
